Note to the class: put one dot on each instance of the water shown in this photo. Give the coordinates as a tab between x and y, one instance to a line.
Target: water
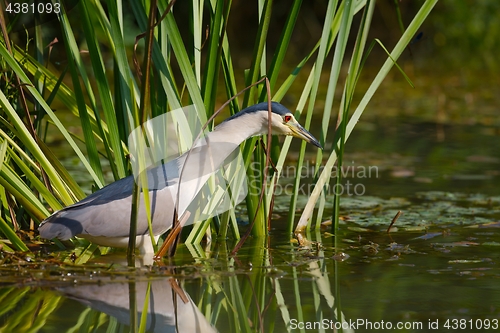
410	277
437	270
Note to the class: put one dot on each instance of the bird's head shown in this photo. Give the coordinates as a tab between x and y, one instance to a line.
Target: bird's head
282	122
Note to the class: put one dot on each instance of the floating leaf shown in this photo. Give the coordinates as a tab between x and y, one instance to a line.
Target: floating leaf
491	243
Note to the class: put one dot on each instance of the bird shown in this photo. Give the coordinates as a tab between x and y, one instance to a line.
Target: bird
104	216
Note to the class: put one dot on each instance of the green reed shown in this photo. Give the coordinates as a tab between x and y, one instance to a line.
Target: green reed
115	85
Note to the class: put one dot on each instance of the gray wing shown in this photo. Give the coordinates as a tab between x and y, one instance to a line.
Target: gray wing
107	211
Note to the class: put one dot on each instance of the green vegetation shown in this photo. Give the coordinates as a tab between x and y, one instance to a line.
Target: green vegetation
111	87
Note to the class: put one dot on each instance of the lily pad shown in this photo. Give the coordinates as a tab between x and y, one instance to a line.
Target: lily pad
491	243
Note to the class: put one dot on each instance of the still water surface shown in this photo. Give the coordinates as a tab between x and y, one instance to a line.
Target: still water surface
436	271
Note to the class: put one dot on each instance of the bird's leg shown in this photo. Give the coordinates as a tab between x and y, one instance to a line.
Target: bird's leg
172	236
175	224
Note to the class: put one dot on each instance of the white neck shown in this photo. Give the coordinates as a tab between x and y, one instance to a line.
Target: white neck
239	129
209	154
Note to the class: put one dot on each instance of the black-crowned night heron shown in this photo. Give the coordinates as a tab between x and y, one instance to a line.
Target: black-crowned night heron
104	216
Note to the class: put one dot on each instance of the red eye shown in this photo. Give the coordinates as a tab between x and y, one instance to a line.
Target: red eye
287	118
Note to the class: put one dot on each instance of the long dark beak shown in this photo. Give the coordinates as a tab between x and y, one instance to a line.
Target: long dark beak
301	133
